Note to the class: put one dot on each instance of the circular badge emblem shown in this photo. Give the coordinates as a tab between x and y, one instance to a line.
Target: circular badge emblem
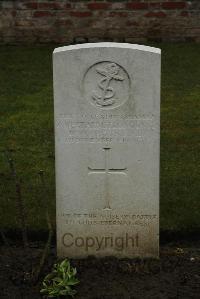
106	85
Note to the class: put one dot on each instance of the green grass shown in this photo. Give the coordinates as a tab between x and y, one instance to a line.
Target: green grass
26	129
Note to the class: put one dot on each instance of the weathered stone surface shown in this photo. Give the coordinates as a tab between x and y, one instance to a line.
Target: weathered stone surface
107	101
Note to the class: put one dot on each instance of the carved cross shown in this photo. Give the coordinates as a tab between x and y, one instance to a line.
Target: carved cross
107	171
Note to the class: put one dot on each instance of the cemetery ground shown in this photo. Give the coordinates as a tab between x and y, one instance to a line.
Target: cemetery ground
28	182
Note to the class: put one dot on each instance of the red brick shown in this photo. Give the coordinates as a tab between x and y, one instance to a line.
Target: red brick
67	5
98	5
155	14
31	5
118	14
46	5
137	5
173	5
60	14
81	14
40	14
154	4
53	5
63	22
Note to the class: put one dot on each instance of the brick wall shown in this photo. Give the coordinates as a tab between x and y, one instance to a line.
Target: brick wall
76	21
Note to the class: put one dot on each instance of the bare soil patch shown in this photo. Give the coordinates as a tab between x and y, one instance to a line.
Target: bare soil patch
175	275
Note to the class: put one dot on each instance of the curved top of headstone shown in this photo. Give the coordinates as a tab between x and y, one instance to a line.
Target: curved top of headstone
108	45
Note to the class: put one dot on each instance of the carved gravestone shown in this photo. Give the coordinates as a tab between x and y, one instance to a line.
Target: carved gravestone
107	110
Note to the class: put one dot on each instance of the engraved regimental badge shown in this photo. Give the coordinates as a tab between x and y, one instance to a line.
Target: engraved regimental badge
106	85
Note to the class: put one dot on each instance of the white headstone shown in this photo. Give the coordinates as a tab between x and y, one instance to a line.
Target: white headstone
107	111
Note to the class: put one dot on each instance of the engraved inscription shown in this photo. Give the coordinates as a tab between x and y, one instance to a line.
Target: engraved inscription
110	218
93	129
106	85
107	171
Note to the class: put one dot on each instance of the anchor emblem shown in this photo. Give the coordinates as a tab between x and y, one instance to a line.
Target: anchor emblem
109	73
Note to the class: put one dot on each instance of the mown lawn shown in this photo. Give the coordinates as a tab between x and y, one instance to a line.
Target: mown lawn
26	133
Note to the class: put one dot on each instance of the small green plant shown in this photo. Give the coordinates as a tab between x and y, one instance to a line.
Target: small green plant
60	281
